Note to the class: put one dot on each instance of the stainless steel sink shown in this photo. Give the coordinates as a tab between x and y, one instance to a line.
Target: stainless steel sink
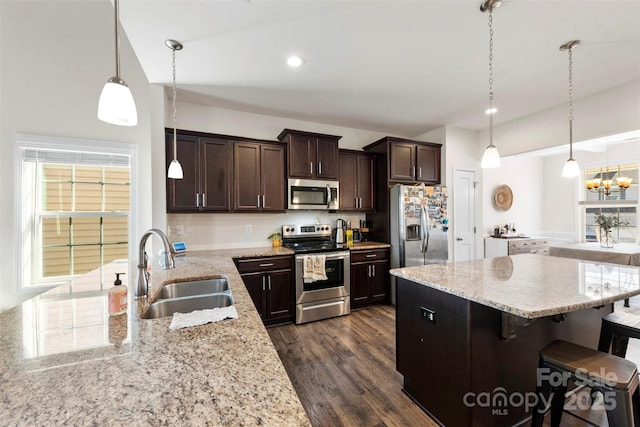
167	307
198	287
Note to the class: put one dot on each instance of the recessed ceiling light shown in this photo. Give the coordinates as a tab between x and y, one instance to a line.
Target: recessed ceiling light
491	110
295	61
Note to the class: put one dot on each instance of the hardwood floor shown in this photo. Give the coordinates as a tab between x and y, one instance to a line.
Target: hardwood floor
344	370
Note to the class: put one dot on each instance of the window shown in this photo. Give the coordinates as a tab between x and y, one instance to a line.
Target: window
75	213
615	200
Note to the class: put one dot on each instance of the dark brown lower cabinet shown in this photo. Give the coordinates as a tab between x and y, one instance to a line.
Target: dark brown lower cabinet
269	282
370	282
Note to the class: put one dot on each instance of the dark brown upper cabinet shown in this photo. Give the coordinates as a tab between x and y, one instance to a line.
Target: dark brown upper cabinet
311	155
206	164
356	181
259	177
409	161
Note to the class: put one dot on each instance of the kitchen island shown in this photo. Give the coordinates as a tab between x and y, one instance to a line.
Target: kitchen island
468	334
138	372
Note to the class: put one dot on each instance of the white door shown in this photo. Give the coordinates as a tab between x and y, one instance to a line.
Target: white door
464	222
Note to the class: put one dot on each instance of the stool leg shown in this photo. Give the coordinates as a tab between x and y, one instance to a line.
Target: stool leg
619	345
626	302
636	407
557	404
619	406
606	335
542	392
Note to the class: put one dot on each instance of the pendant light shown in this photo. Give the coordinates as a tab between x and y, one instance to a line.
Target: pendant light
491	157
116	104
571	167
175	169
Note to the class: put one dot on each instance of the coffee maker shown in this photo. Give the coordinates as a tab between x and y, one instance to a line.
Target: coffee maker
339	231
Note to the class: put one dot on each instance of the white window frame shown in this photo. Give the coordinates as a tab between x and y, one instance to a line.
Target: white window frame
26	141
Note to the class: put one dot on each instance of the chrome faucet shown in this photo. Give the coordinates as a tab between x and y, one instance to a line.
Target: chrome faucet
167	261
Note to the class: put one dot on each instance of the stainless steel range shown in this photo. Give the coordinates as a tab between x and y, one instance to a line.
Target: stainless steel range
322	271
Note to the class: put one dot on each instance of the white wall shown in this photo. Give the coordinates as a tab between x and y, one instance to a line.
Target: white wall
56	56
603	114
524	176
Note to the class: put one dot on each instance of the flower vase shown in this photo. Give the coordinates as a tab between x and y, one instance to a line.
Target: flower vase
606	238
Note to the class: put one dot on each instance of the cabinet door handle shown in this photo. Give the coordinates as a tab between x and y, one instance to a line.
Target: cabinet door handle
311	168
371	256
197	200
264	203
369	271
356	203
413	172
319	168
373	269
420	172
258	201
268	264
360	204
263	285
459	239
269	280
204	200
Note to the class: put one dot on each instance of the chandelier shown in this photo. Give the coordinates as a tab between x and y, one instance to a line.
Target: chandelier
603	182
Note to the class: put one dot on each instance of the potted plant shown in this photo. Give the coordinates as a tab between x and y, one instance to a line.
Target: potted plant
606	224
276	239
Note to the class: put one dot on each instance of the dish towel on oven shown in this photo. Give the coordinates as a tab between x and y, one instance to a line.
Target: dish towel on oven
313	266
201	317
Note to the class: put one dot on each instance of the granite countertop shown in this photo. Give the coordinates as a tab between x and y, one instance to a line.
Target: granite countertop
529	285
369	245
64	361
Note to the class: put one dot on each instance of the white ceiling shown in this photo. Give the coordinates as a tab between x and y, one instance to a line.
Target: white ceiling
398	67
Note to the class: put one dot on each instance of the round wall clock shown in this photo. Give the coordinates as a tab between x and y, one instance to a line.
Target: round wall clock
503	197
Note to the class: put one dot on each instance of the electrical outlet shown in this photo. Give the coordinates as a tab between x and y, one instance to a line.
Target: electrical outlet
248	229
427	314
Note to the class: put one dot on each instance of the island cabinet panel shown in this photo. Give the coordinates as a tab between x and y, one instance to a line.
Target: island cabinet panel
451	354
356	181
259	179
370	281
269	281
206	164
311	155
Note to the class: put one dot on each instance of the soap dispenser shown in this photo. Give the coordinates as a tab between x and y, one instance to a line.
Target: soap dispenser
118	297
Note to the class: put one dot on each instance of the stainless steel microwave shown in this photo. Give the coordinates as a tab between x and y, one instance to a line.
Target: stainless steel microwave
313	194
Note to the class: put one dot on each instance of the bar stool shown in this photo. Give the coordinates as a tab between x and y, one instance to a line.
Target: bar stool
616	329
613	376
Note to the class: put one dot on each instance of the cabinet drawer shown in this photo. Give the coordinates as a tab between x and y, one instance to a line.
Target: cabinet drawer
369	255
253	265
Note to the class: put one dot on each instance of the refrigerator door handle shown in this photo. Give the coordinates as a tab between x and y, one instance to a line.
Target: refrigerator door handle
424	231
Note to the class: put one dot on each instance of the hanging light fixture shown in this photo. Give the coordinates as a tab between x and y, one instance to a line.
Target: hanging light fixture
571	167
116	104
491	157
175	169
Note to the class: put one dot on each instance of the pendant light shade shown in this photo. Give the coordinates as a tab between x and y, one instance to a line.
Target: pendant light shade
116	104
571	168
491	157
175	168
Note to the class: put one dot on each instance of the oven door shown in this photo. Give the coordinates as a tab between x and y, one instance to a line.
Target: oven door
313	194
338	283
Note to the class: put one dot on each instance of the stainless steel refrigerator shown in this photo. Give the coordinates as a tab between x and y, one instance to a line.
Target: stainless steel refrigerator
419	227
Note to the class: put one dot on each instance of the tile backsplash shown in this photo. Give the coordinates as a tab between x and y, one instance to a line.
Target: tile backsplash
241	230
